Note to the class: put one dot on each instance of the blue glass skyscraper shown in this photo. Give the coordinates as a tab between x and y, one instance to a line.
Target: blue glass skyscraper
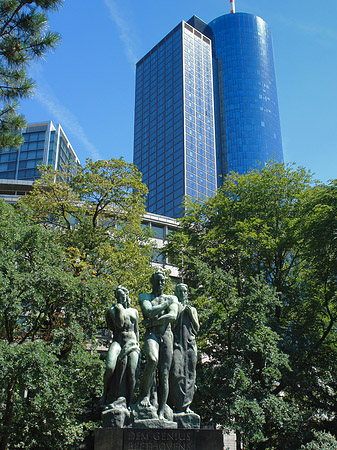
247	114
206	105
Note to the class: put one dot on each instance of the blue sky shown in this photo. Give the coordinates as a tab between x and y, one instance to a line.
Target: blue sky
87	83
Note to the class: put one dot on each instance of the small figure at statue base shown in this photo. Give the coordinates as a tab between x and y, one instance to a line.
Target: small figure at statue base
117	414
187	419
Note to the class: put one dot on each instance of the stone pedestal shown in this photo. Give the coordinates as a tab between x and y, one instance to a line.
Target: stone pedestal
158	439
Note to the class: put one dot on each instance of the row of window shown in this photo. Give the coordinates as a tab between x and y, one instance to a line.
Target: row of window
33	145
201	170
8	156
157	146
27	159
200	177
7	166
201	188
164	200
194	194
158	79
28	174
29	137
158	114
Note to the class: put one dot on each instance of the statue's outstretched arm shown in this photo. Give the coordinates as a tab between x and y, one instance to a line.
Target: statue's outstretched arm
150	310
165	319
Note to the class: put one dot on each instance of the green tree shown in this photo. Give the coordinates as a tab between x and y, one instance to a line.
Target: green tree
321	441
98	208
277	226
241	357
63	250
24	37
46	375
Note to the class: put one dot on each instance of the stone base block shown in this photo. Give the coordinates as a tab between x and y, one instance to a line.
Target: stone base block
187	420
154	423
109	439
158	439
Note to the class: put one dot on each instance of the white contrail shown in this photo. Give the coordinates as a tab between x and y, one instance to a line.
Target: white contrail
62	114
124	31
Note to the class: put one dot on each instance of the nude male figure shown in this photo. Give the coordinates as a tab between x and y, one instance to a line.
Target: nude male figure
159	311
123	354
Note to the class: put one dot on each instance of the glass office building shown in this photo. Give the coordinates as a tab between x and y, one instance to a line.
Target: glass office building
43	144
206	104
174	121
249	132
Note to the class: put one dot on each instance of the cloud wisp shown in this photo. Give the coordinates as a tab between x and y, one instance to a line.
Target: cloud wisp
124	31
60	113
324	35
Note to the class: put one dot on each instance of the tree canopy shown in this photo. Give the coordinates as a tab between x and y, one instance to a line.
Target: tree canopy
63	250
47	377
261	255
24	37
98	208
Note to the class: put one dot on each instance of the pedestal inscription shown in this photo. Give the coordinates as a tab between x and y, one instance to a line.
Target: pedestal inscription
159	440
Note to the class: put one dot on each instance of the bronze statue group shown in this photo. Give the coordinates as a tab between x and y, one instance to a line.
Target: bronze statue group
167	384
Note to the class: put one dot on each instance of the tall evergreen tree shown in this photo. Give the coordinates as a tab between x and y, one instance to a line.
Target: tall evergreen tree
24	37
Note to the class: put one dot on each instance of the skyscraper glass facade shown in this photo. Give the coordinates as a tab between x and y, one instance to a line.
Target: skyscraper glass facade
248	114
199	129
159	126
43	144
206	104
174	121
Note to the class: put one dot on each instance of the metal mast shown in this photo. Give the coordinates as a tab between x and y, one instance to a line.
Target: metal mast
232	2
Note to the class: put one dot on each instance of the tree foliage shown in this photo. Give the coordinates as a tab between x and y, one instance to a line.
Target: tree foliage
63	250
24	37
98	208
46	375
321	441
278	228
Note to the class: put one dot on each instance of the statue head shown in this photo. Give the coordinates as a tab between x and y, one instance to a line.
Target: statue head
158	279
181	291
122	296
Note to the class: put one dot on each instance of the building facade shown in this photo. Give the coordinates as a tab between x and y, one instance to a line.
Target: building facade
43	144
206	105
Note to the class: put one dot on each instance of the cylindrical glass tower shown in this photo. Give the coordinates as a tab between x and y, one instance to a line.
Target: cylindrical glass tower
248	125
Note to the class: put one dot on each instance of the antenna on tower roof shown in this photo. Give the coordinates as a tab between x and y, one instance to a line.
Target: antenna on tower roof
232	2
